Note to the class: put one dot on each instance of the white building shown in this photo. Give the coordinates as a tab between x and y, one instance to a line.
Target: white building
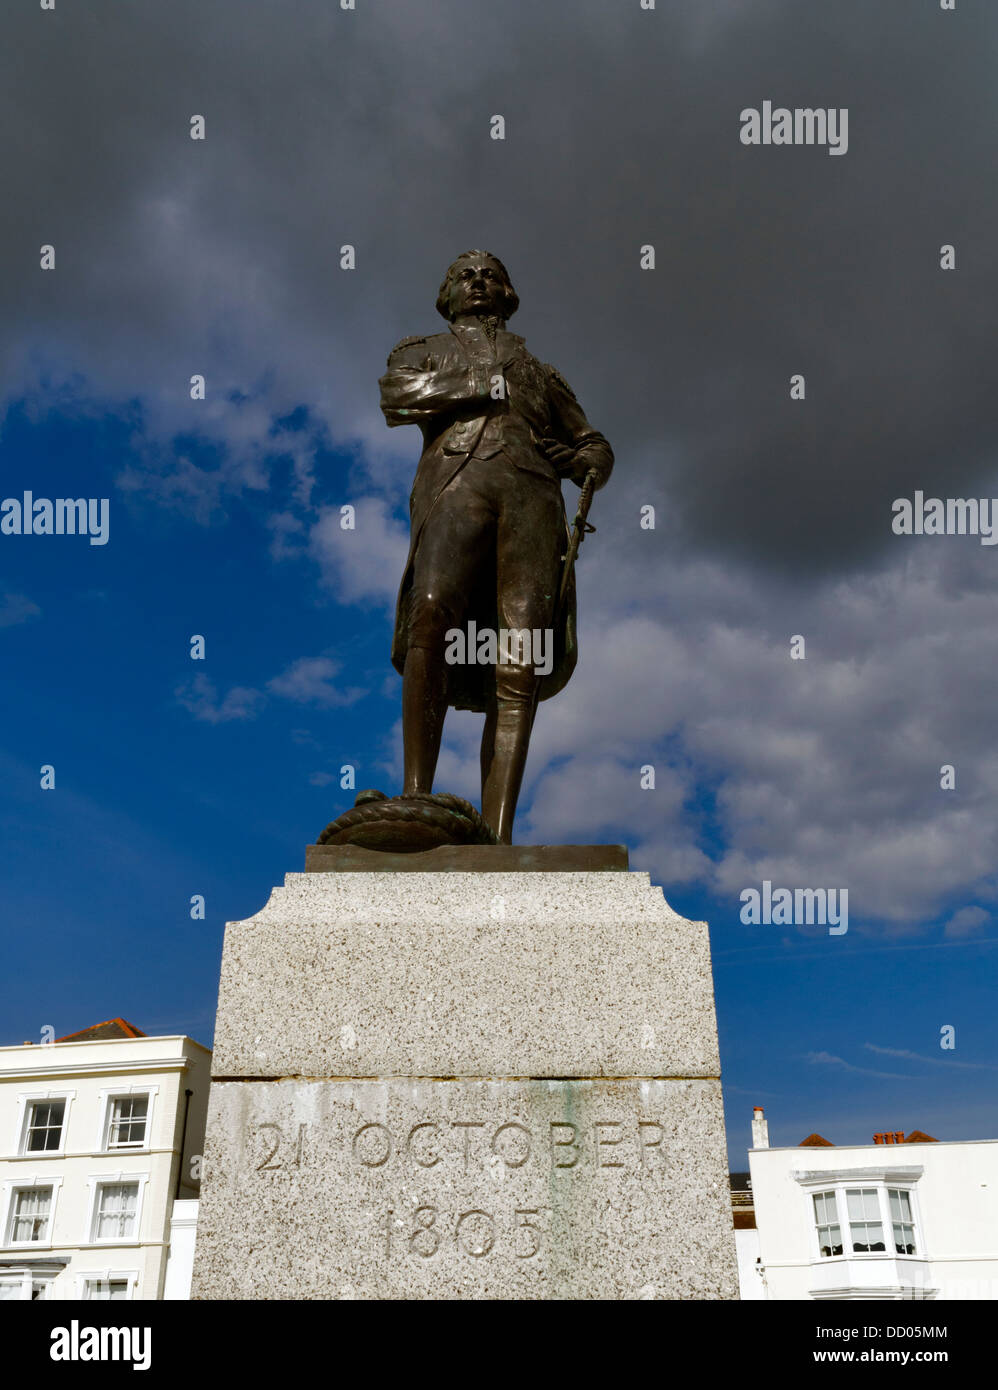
750	1284
900	1218
97	1136
180	1261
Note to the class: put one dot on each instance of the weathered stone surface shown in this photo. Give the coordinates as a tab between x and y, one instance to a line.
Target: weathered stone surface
536	974
465	1189
466	1085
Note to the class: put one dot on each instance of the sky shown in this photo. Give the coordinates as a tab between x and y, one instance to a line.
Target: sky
773	516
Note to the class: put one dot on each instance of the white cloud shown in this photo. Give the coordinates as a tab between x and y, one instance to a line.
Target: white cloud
365	564
200	696
828	1059
223	260
309	681
967	922
16	609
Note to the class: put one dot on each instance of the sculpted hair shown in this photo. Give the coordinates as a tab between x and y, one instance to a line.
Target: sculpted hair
511	300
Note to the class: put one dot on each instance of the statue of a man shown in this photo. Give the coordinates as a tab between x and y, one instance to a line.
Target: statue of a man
489	533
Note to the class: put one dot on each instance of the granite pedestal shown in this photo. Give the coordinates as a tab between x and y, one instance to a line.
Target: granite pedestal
446	1080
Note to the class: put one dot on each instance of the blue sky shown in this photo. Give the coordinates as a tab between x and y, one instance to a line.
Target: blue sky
773	516
153	804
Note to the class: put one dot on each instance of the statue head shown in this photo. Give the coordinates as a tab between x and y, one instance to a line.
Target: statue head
477	283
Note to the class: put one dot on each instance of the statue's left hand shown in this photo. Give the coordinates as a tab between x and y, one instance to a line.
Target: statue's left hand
561	455
575	463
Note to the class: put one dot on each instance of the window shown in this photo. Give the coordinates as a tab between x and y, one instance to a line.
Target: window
902	1221
42	1122
125	1118
826	1219
127	1122
853	1221
31	1211
23	1285
43	1132
116	1211
109	1290
866	1229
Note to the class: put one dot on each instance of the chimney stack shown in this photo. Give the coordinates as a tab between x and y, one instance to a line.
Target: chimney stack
760	1129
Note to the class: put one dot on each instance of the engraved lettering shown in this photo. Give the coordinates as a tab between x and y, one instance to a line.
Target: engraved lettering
530	1229
647	1143
266	1166
566	1143
479	1236
467	1126
512	1162
602	1143
372	1146
423	1162
425	1218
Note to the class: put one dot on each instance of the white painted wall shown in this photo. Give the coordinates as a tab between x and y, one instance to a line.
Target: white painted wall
955	1196
180	1260
750	1281
87	1074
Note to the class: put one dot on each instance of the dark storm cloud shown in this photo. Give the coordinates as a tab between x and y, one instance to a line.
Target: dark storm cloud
371	127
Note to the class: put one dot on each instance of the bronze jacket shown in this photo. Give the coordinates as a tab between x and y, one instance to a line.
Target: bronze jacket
443	383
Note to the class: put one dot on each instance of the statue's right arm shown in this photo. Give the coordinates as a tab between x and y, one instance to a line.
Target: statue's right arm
414	389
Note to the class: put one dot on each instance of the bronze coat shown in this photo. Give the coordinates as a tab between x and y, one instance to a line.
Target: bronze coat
443	384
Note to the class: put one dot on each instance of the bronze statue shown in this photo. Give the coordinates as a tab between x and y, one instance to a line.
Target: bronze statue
490	545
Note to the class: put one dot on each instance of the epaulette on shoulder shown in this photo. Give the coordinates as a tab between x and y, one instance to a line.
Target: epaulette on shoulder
405	343
560	380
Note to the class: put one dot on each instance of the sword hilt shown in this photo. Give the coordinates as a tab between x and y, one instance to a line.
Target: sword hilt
580	529
585	502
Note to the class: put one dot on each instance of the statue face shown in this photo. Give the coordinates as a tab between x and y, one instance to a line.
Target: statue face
477	287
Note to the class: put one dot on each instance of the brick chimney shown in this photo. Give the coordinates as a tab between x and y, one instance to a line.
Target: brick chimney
760	1129
890	1137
